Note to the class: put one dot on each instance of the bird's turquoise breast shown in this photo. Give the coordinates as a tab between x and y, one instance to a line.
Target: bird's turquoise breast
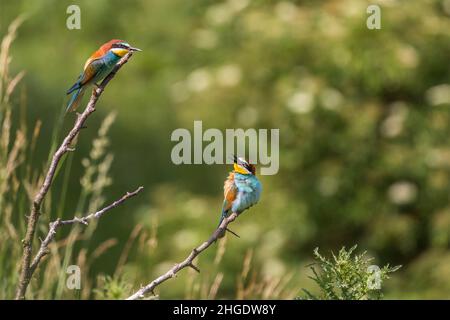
109	60
248	192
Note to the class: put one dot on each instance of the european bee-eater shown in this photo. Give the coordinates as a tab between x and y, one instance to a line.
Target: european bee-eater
97	67
241	190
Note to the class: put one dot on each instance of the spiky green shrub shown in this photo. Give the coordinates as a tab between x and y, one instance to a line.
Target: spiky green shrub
112	288
347	276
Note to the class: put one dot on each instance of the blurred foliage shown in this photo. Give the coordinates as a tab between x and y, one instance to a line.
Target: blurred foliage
112	289
348	277
364	152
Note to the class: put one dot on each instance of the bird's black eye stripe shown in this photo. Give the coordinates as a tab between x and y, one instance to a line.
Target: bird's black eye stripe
120	45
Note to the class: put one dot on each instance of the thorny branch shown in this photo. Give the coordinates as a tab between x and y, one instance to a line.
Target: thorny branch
65	147
188	262
43	250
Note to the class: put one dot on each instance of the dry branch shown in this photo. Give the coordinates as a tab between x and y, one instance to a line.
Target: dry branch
65	147
188	262
43	250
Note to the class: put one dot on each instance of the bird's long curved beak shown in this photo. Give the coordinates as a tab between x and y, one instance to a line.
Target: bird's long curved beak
135	49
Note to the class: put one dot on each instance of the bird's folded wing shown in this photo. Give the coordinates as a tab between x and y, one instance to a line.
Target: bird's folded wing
92	68
229	193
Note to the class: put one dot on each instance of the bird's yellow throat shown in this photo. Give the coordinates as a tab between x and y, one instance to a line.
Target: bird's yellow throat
119	51
239	169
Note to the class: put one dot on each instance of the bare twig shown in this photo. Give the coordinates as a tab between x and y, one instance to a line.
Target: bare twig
33	218
188	262
43	250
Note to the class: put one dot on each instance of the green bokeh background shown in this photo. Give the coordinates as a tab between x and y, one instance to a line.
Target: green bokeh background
363	118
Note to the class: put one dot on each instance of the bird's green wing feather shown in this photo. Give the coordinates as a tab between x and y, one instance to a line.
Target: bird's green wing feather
94	68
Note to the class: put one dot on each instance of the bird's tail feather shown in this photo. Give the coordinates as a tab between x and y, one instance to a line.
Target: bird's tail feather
74	87
75	99
223	216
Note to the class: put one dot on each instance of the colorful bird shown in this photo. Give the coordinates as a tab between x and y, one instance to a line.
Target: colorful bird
97	67
241	190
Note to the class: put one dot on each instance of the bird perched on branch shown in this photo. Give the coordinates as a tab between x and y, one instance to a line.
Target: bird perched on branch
97	67
241	190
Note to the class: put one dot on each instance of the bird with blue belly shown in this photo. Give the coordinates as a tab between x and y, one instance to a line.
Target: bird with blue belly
241	190
97	67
